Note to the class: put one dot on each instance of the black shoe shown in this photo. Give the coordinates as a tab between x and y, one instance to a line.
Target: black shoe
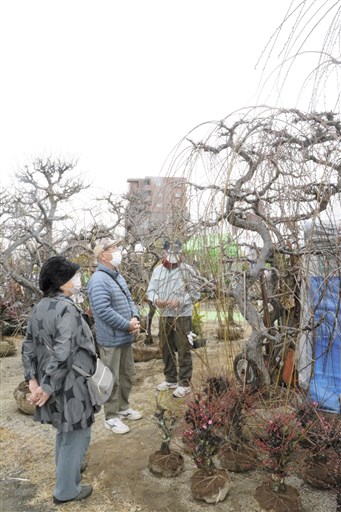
86	491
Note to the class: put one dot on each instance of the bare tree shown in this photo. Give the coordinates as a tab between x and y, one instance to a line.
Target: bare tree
308	38
260	174
44	215
34	219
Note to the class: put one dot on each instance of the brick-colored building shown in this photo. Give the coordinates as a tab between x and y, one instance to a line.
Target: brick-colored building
157	208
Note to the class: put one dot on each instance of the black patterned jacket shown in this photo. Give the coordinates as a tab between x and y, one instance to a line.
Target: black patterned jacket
58	336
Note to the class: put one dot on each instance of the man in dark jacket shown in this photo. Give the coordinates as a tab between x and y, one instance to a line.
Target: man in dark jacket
116	321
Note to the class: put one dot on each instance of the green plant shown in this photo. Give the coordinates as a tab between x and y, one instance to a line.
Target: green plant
197	320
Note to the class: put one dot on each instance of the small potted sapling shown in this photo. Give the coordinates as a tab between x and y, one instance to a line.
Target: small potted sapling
279	440
236	453
165	462
321	438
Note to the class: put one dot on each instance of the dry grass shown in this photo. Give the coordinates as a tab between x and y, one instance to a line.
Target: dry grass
118	465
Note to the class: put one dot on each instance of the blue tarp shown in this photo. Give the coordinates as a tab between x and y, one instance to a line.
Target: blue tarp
325	385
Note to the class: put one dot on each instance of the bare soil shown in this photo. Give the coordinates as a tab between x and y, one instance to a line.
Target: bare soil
118	464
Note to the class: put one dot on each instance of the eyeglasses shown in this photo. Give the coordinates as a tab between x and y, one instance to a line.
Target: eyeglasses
112	248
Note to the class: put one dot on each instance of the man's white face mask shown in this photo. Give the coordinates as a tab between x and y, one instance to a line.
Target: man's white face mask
172	258
116	258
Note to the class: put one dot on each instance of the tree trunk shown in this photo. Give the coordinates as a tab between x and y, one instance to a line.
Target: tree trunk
277	483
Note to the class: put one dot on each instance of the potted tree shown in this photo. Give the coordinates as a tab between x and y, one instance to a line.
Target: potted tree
280	436
321	438
165	462
201	432
237	453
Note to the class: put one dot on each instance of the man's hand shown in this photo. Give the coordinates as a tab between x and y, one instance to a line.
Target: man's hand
160	303
134	325
171	304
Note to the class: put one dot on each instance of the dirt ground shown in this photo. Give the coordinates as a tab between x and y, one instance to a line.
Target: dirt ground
118	464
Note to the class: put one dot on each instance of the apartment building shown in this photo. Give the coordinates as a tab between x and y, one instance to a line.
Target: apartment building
157	208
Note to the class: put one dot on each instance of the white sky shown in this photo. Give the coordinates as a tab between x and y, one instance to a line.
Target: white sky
116	84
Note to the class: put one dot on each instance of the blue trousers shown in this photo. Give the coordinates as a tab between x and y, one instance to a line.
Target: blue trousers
71	448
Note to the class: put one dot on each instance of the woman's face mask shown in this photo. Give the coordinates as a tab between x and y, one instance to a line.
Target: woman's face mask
116	258
76	284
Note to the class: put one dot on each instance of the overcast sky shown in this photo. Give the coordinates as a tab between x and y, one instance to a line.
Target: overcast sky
116	84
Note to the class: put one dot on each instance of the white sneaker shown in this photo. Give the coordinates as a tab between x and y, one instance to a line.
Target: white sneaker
116	425
130	414
181	391
164	386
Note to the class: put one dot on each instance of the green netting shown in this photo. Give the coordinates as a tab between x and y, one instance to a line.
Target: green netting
213	245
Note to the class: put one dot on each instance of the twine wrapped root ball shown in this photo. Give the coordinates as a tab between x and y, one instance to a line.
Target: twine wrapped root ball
21	395
210	486
166	464
7	348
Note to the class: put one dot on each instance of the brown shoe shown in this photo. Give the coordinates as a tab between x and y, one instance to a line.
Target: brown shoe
86	491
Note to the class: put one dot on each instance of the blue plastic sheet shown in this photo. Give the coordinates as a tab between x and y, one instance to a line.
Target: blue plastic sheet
325	303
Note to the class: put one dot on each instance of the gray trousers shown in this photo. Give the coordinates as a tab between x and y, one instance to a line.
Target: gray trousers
121	362
71	448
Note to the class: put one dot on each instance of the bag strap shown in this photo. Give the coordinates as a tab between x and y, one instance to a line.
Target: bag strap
72	352
123	291
114	278
83	315
79	370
